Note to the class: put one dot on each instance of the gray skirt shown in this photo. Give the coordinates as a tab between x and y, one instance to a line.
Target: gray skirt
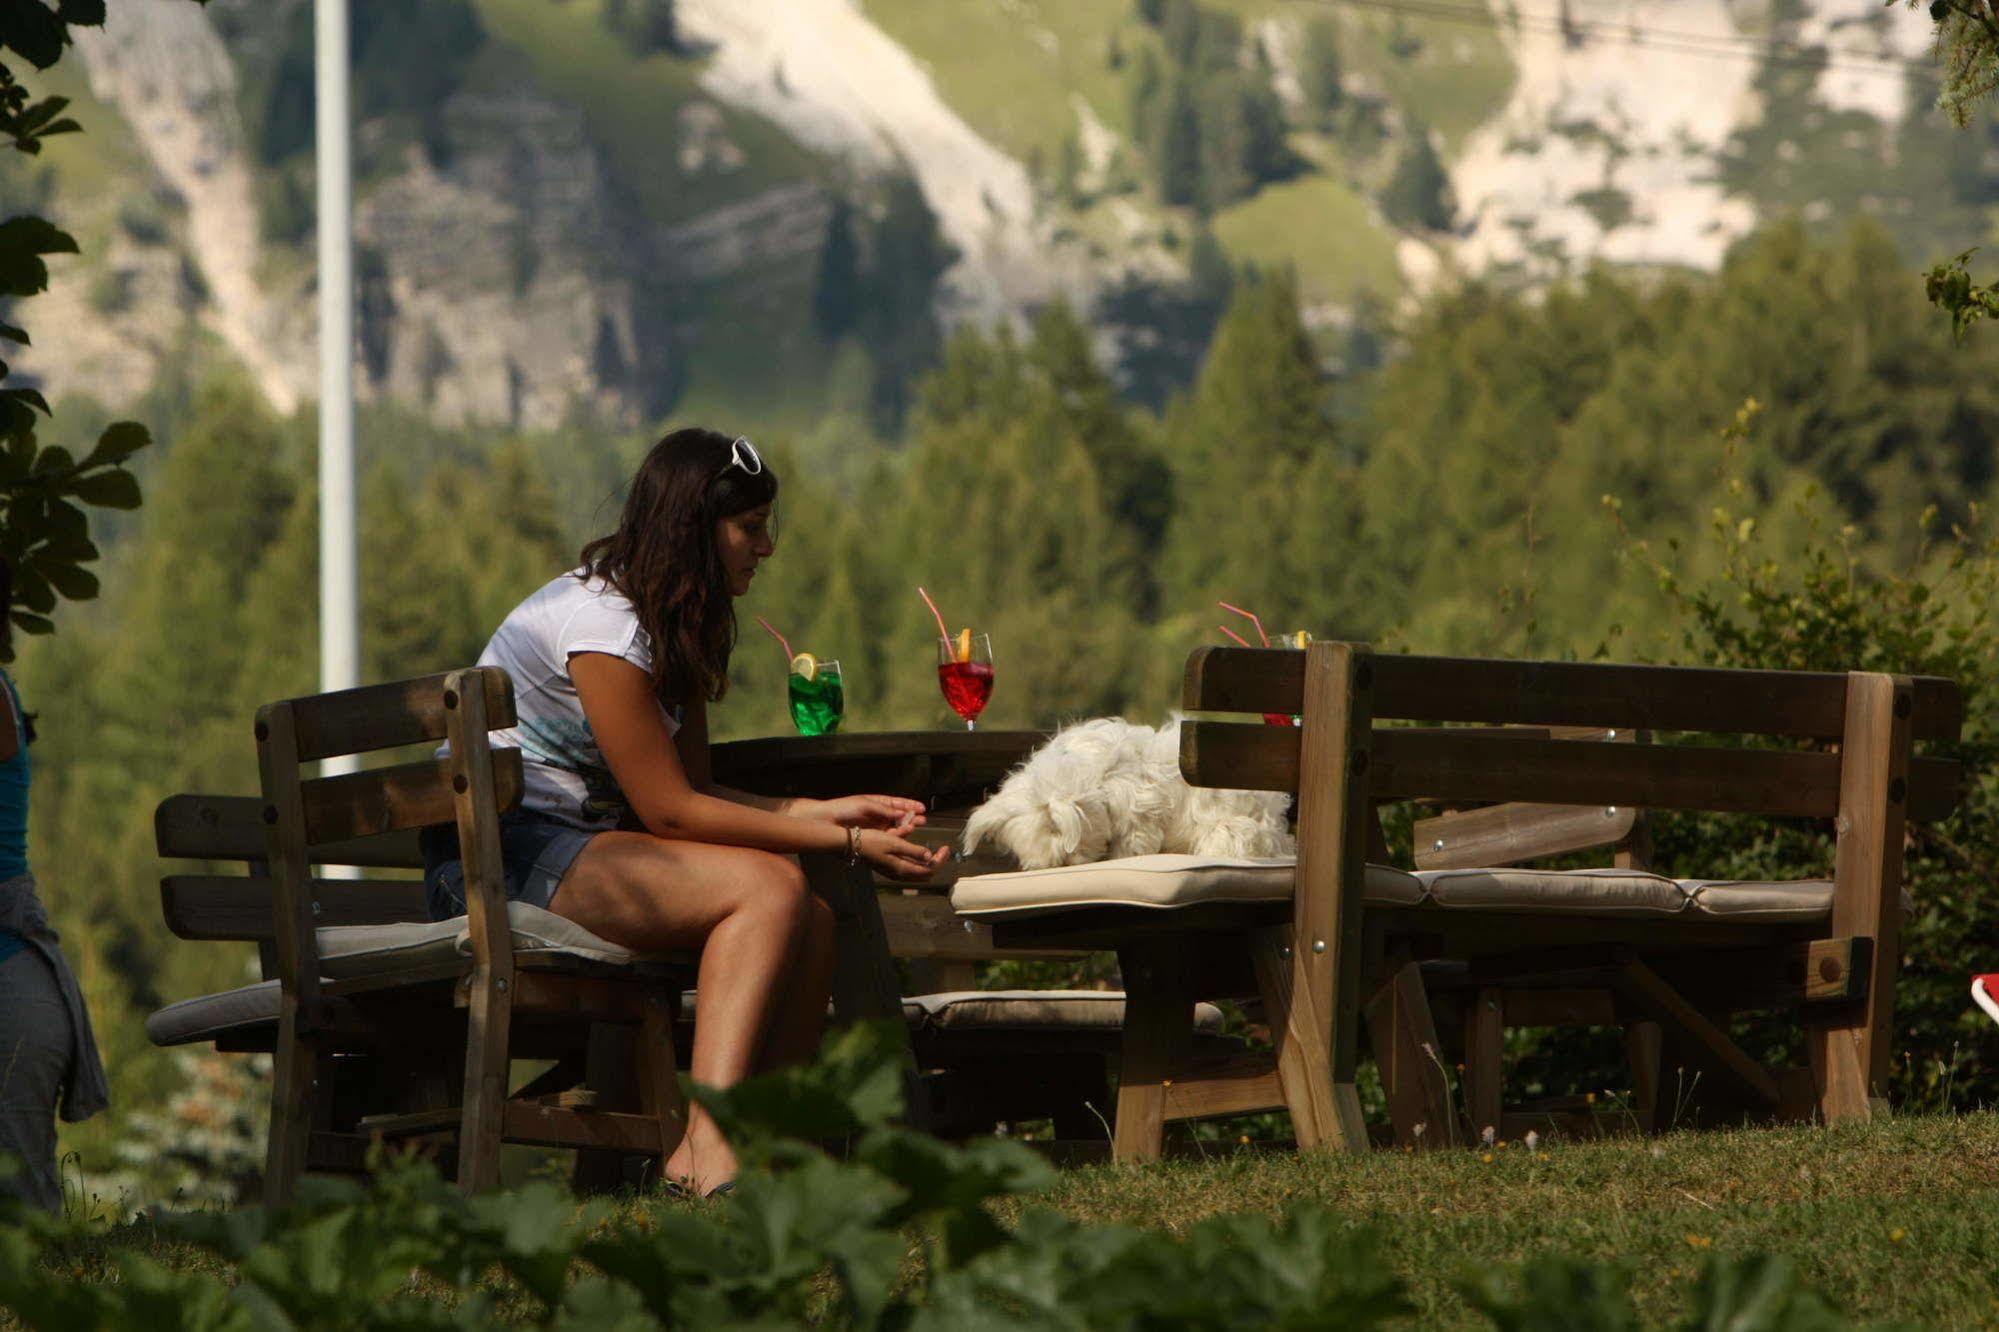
44	1031
37	1057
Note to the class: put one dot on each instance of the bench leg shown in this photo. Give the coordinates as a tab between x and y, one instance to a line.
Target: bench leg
296	1065
489	1026
1839	1074
659	1079
1158	1031
1323	1113
608	1064
1407	1052
1485	1042
1644	1044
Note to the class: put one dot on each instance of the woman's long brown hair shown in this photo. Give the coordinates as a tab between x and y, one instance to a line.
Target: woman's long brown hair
662	557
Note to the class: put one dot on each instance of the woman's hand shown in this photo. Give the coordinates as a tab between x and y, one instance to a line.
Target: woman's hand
896	856
896	814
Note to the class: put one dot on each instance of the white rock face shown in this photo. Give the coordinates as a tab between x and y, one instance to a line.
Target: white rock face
1602	111
839	84
162	65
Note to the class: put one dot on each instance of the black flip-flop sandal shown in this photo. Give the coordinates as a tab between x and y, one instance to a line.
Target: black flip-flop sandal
725	1187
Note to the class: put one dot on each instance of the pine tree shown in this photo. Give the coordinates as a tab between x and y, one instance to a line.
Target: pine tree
1417	194
1224	142
1254	450
836	291
1319	71
1176	145
910	256
646	27
1144	90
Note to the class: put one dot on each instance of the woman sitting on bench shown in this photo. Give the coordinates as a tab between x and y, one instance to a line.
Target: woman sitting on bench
620	829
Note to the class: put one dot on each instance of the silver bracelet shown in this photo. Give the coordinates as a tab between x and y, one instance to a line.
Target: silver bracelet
853	846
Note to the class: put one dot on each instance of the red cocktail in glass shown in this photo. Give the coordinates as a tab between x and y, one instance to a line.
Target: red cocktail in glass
965	674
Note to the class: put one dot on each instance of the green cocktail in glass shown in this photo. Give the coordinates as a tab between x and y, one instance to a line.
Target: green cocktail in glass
818	695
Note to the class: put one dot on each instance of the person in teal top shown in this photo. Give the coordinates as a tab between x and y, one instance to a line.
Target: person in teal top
15	772
46	1047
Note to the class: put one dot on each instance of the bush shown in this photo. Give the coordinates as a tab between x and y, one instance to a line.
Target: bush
1824	604
898	1235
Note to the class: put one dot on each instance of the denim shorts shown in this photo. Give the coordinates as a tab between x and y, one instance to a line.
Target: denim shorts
535	852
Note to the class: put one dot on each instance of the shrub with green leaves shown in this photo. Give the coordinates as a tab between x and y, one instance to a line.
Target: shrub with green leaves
1820	601
896	1231
44	533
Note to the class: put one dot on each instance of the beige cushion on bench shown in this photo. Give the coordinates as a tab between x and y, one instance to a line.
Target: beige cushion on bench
370	950
1160	882
1793	901
347	951
1586	892
1035	1010
209	1017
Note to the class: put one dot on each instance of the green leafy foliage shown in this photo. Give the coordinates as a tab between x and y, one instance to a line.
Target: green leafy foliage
1950	288
895	1231
44	532
1814	602
1967	40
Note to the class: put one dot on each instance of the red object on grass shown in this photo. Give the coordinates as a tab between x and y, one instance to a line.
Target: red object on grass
1985	993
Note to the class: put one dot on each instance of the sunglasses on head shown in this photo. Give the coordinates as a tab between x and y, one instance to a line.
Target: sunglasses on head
744	454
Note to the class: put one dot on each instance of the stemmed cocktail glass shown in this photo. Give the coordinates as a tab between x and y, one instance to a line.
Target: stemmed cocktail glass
965	674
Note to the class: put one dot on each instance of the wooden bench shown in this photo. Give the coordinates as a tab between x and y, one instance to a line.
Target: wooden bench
979	1058
1318	946
383	1023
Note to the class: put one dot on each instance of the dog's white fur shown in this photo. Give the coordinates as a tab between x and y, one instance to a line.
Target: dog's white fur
1105	789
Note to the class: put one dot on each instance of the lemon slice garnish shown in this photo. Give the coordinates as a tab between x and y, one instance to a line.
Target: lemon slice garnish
805	665
964	645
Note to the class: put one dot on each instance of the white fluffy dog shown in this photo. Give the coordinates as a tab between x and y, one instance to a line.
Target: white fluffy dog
1105	789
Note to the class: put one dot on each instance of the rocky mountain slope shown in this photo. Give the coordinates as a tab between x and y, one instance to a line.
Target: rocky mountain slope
554	218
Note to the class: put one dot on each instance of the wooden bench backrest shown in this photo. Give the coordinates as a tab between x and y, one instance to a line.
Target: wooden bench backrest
217	828
1488	764
1516	832
373	808
471	786
1858	770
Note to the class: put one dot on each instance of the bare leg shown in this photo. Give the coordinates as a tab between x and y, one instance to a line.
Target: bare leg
744	909
801	1009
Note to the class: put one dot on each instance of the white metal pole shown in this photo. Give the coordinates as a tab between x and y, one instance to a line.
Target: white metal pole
339	613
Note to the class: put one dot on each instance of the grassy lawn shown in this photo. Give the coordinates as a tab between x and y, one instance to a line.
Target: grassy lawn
1322	227
1009	67
1452	74
1893	1222
1896	1222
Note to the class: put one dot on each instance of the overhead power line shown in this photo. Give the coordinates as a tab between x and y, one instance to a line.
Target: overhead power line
1726	46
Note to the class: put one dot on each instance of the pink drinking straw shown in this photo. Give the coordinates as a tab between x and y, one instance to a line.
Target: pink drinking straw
942	632
1251	618
1233	634
788	654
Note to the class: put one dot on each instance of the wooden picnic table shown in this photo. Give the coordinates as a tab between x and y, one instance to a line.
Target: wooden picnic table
951	771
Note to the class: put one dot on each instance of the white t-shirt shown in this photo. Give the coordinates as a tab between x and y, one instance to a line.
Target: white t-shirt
566	777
